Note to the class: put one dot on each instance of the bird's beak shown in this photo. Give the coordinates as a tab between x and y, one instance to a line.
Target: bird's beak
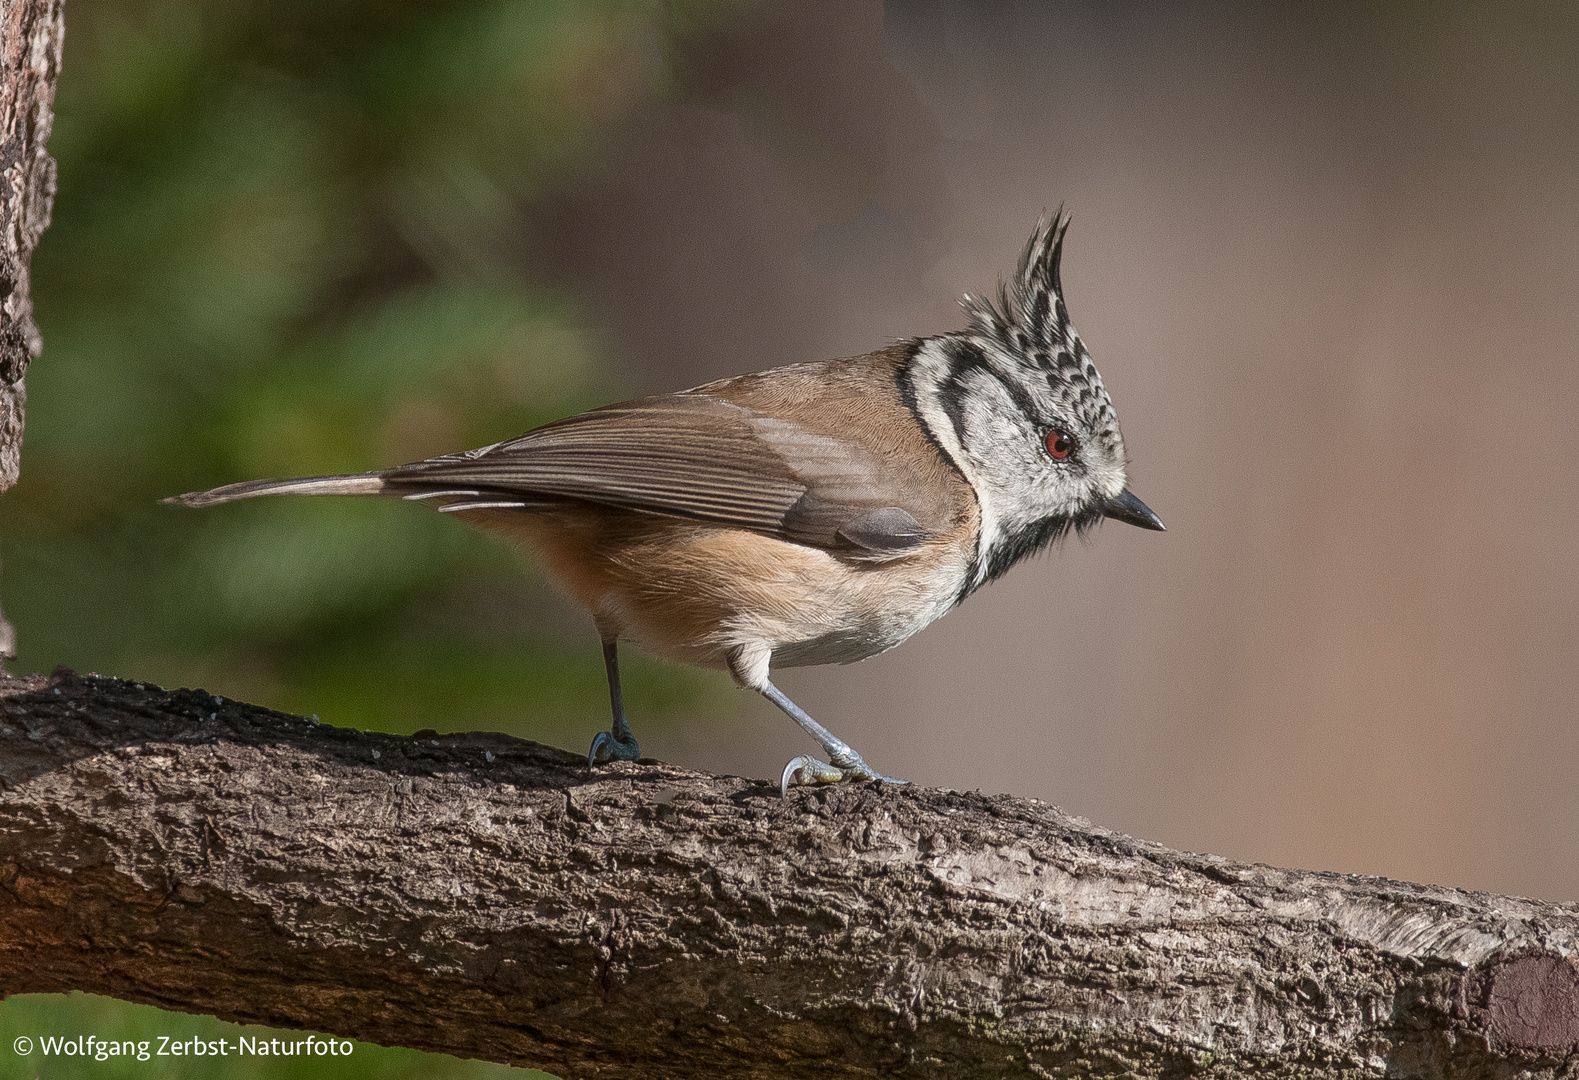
1125	507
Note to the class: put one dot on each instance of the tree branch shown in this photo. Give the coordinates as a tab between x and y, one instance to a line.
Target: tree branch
488	897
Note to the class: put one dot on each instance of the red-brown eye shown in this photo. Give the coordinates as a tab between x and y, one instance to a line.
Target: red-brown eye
1060	444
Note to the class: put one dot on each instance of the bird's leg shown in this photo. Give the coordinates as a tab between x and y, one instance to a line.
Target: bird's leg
843	762
616	744
750	668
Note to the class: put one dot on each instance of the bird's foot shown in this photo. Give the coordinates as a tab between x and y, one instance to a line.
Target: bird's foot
610	747
807	770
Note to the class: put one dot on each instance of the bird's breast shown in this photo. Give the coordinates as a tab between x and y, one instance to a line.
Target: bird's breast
887	604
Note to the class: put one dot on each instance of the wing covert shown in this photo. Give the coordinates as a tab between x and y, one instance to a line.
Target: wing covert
696	457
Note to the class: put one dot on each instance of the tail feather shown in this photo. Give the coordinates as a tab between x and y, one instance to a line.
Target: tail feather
365	484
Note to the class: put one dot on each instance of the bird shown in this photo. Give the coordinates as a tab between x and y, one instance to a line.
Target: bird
807	514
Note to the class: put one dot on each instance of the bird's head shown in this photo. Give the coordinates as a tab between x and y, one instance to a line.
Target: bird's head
1016	402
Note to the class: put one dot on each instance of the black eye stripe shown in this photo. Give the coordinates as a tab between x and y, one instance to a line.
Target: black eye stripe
964	359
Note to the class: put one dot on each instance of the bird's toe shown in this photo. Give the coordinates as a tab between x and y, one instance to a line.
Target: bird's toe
805	771
606	747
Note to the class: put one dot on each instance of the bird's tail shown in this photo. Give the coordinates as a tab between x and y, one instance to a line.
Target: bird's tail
364	484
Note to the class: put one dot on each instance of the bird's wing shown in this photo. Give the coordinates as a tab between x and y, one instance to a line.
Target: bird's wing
688	456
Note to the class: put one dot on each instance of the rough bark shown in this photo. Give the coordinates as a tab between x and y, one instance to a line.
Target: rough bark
488	897
31	33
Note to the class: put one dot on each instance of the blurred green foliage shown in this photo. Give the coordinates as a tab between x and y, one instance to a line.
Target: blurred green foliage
289	239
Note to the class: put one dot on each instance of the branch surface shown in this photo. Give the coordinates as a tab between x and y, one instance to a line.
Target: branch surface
488	897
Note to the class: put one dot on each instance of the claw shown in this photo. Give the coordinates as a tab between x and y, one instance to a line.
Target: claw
806	770
608	748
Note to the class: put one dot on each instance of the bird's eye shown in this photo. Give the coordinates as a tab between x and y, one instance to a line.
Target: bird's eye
1060	444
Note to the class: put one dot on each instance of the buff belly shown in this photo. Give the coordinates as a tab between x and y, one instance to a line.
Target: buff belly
696	593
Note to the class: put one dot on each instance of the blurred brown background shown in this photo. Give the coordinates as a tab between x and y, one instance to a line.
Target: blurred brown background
1328	262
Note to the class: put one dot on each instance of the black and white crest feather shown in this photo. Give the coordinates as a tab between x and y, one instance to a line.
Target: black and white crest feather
1031	307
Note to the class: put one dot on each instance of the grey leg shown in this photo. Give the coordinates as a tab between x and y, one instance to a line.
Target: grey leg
843	762
616	744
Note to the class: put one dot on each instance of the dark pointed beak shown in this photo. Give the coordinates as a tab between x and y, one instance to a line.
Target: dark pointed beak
1125	507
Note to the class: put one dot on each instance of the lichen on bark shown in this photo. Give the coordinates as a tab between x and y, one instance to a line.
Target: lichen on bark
31	35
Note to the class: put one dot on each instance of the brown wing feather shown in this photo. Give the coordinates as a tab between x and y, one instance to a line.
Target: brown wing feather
691	456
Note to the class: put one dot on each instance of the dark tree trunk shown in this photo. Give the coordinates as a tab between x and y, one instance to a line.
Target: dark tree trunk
31	32
491	898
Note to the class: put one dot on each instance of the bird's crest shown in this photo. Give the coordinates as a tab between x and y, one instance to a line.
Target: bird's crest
1029	316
